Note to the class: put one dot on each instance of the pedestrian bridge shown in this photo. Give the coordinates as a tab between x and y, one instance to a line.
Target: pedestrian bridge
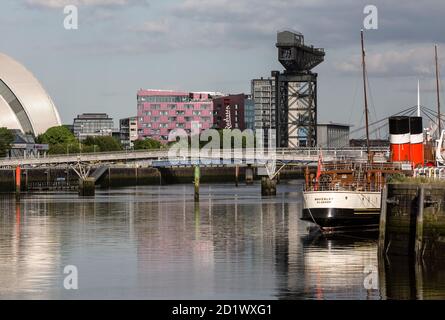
165	157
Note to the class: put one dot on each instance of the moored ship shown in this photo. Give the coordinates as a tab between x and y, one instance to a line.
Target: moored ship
346	194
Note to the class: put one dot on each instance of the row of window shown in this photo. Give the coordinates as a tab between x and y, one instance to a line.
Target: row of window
175	106
148	133
163	98
178	113
165	124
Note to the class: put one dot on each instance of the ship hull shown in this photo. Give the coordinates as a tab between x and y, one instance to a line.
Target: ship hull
341	208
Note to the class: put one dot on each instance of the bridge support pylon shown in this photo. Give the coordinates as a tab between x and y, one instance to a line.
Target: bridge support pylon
268	186
87	187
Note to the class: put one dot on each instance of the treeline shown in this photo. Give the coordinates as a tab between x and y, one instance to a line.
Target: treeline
62	141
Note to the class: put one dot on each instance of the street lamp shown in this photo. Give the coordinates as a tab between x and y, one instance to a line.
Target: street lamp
80	144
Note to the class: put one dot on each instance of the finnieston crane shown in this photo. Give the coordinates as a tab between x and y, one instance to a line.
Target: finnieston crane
296	91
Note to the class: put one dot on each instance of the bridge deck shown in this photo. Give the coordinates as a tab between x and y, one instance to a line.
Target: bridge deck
243	156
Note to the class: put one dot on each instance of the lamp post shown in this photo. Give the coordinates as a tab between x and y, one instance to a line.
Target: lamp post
80	144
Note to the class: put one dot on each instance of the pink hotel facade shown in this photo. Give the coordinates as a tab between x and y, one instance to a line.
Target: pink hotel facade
160	111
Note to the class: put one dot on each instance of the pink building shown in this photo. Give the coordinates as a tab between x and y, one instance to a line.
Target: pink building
161	111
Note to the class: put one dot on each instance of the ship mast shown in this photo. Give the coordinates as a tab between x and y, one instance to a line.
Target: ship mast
437	90
418	98
366	96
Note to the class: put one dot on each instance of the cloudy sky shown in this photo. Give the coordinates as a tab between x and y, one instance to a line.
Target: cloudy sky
220	45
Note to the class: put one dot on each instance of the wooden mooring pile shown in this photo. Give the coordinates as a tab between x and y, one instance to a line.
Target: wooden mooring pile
412	221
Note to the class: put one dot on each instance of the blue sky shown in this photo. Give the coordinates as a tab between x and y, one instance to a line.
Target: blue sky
220	45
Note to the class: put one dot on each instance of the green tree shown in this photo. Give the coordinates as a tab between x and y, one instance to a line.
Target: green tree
57	135
60	140
147	144
104	144
64	148
6	138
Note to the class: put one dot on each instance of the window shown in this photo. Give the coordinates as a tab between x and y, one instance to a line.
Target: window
172	106
180	112
155	106
196	112
163	113
163	125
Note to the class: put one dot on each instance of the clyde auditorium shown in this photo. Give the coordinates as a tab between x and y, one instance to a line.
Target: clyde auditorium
24	104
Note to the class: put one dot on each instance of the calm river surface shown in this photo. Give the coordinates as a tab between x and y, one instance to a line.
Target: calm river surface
153	243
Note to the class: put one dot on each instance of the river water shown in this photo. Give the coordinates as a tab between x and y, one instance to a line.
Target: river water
153	242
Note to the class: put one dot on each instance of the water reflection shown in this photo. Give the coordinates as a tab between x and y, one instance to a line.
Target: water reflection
29	250
156	243
404	278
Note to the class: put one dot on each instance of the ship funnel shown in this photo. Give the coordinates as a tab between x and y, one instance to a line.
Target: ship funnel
416	141
399	136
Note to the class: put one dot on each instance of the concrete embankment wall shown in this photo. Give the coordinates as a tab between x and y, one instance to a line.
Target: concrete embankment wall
54	178
38	178
121	177
7	181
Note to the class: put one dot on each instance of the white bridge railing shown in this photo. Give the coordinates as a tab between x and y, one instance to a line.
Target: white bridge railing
258	155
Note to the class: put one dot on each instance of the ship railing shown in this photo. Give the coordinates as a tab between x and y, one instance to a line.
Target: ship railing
351	166
437	173
343	187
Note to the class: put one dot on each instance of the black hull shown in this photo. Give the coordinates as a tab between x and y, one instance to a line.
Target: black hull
334	217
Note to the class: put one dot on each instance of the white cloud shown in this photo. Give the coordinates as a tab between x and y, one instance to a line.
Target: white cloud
154	27
55	4
416	61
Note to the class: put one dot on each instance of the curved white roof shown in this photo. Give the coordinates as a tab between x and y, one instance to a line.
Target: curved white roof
8	118
24	104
